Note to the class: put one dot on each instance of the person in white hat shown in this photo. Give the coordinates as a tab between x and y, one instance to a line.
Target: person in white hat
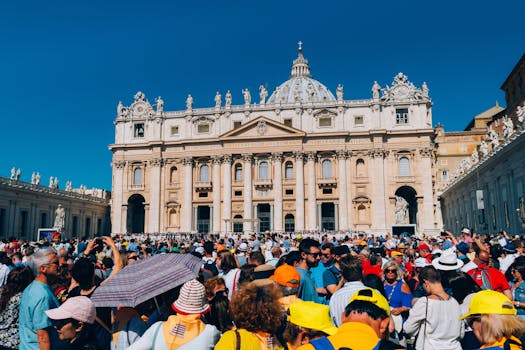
185	330
74	321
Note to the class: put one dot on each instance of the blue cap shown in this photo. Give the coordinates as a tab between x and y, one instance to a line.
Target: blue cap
463	247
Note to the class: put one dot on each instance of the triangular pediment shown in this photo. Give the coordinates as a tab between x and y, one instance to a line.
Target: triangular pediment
262	128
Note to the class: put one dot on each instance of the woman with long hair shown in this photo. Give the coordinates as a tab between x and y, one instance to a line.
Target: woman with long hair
17	280
257	314
230	271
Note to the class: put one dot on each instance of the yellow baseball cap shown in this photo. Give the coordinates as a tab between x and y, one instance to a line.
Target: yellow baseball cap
396	253
311	315
372	296
490	302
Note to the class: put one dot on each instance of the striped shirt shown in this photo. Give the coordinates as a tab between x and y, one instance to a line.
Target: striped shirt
340	299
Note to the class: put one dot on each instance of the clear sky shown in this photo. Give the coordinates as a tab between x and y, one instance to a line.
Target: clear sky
64	65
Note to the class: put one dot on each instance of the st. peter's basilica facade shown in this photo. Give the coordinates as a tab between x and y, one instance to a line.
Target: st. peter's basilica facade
301	159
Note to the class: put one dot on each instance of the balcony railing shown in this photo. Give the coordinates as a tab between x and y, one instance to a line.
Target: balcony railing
405	179
327	182
262	183
203	185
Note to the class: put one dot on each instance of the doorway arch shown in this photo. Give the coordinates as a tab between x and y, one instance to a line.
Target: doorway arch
409	194
135	214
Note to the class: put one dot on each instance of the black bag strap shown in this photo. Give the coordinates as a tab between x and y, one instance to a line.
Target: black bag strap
238	340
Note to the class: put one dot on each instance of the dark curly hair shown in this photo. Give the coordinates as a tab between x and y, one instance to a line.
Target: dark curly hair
256	308
17	280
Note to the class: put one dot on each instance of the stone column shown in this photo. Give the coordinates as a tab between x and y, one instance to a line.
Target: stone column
299	190
426	221
247	177
216	194
186	224
118	222
312	200
341	184
378	189
227	196
154	200
277	159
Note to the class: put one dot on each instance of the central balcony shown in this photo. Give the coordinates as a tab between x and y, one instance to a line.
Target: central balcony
262	183
203	186
327	182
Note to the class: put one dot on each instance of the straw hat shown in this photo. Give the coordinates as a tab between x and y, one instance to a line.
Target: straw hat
191	299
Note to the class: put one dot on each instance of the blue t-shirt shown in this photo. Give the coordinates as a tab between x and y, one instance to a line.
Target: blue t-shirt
307	291
36	299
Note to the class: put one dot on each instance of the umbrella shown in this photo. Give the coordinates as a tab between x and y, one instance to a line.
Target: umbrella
146	279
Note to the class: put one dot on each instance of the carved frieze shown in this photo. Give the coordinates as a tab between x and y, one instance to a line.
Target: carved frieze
156	162
119	164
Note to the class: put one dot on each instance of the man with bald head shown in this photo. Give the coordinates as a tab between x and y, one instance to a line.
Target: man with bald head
489	277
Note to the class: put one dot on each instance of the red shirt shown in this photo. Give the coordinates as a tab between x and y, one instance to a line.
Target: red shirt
497	279
369	269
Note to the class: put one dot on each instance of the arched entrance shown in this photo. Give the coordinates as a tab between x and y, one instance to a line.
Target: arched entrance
409	194
289	223
327	216
135	215
263	214
237	224
203	219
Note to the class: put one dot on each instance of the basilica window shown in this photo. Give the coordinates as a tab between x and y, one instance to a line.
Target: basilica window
402	116
203	128
263	170
237	124
137	176
238	172
288	170
174	130
325	122
326	170
288	122
204	174
404	166
359	120
360	168
173	174
444	174
138	130
289	223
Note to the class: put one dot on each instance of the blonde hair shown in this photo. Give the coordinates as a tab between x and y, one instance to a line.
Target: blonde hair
494	327
393	264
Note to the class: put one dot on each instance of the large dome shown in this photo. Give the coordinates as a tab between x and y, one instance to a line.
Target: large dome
301	87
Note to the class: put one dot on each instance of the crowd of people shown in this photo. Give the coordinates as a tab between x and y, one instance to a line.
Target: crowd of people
453	291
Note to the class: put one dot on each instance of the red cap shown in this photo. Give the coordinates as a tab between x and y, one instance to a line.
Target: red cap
423	246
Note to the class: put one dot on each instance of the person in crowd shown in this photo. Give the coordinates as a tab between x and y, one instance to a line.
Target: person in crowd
518	288
352	272
34	326
185	330
247	274
489	277
365	322
310	257
398	294
288	281
493	319
257	314
219	314
373	281
424	251
74	321
17	280
230	271
332	277
214	286
261	269
242	249
435	318
307	321
510	253
327	260
276	253
16	258
5	263
128	325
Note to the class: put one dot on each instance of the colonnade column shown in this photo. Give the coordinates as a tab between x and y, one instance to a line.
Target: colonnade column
119	225
341	185
154	200
186	223
299	189
277	159
227	195
426	221
247	172
312	198
216	194
378	190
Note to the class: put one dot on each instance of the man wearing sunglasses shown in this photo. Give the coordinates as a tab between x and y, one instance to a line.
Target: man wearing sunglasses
310	257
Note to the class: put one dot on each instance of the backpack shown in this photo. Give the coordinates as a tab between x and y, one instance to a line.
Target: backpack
212	267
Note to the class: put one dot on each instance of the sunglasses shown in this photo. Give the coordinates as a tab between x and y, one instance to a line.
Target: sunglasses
315	255
59	324
471	320
134	257
326	255
391	270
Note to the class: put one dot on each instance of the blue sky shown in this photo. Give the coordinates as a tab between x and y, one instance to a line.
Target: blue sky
64	65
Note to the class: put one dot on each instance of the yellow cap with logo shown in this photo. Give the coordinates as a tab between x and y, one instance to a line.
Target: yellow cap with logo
488	302
372	296
311	315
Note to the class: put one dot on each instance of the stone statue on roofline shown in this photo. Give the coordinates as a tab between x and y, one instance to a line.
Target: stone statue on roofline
263	93
160	104
483	149
13	173
189	102
247	96
228	99
520	113
339	93
493	137
424	88
37	178
375	90
18	174
474	157
508	128
218	100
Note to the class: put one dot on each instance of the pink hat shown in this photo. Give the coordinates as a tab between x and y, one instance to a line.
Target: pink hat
79	308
